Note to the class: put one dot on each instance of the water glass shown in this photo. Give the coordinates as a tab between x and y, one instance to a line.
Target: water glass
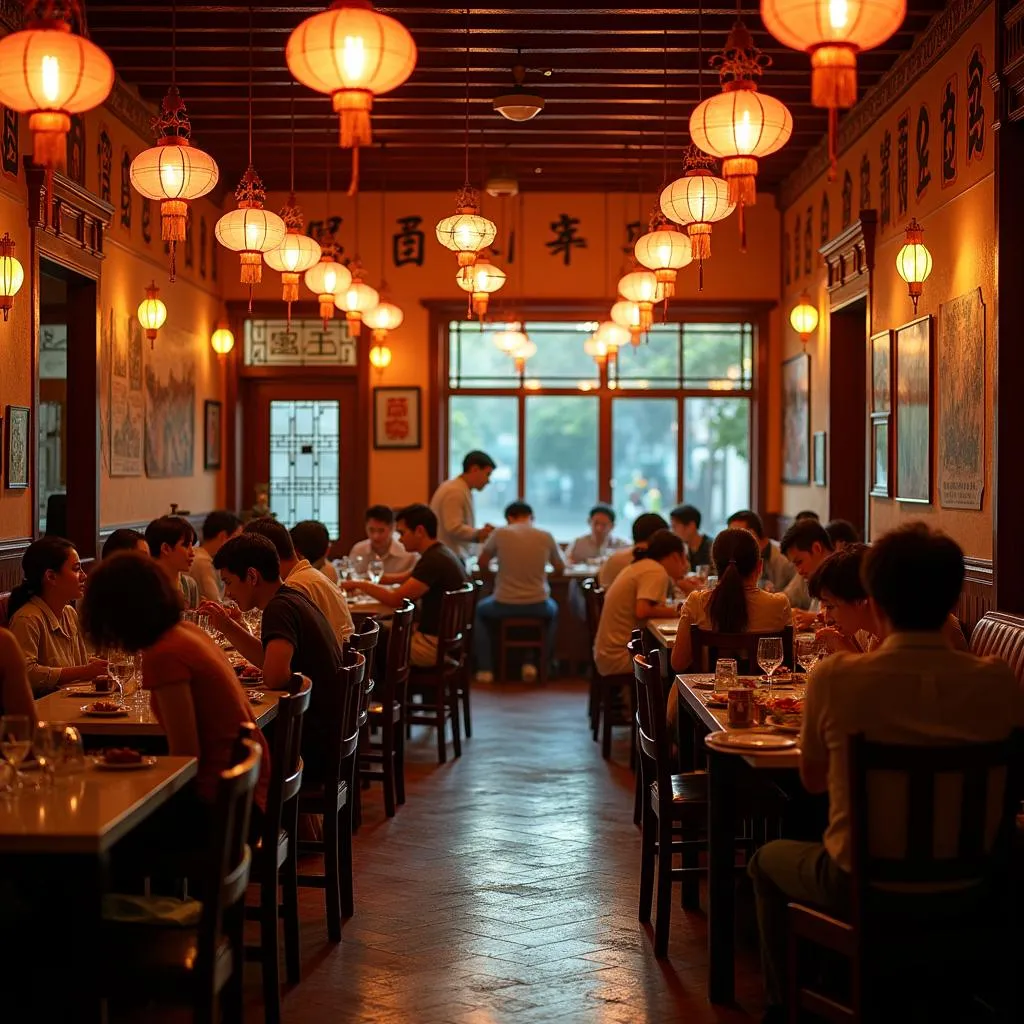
807	651
725	674
69	757
375	569
121	668
15	742
344	567
769	656
253	620
358	563
712	582
47	743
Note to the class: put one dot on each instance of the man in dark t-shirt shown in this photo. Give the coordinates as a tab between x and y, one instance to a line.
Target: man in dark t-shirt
438	570
295	635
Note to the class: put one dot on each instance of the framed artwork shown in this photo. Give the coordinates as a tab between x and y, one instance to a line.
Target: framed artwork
212	412
881	381
912	405
820	458
16	442
880	457
396	418
796	420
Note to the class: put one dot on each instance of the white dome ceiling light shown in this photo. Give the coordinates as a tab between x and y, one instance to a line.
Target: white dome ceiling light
519	105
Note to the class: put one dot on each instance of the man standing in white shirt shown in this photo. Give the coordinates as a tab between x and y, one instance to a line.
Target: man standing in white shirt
452	503
382	543
914	689
218	528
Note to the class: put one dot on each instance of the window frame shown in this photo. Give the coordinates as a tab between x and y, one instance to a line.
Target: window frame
756	313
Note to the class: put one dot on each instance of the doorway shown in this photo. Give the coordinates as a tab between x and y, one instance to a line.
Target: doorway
848	413
66	478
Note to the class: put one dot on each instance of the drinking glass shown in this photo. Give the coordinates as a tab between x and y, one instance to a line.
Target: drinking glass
807	651
47	743
725	674
15	742
69	758
375	570
703	572
712	582
252	620
121	668
358	563
769	656
344	567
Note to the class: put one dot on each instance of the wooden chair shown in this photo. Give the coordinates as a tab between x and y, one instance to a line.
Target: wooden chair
437	686
708	646
971	925
384	760
332	799
198	966
466	680
523	634
604	712
5	604
1000	635
274	858
364	640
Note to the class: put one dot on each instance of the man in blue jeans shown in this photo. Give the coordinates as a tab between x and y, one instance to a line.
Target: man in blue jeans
521	585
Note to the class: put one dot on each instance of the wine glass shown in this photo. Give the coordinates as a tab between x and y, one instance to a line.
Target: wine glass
15	742
47	743
769	656
344	567
807	651
121	669
69	756
375	569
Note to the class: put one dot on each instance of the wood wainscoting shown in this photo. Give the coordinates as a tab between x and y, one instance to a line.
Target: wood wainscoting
979	593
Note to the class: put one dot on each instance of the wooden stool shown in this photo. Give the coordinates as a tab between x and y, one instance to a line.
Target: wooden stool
523	634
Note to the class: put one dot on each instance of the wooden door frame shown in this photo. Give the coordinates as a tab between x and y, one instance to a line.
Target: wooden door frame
69	232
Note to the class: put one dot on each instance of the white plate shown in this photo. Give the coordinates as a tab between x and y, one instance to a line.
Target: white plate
749	741
133	766
87	709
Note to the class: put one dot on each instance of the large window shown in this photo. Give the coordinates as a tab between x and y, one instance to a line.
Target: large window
667	421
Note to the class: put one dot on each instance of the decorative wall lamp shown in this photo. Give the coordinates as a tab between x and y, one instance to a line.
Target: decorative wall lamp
804	317
222	341
12	274
914	261
152	313
380	357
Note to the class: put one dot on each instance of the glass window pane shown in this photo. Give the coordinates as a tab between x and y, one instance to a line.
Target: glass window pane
716	458
718	356
560	361
645	456
473	359
490	424
652	364
561	461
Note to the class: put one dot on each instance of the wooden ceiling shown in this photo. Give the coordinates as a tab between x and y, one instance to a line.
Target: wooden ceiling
602	71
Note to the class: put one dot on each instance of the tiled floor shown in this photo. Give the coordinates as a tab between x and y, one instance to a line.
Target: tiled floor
505	891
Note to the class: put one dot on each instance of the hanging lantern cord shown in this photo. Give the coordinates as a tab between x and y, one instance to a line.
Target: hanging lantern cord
700	99
250	119
291	180
173	244
467	95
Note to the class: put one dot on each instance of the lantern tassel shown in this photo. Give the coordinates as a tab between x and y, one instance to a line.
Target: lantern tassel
173	216
700	275
353	186
252	267
49	133
288	316
174	249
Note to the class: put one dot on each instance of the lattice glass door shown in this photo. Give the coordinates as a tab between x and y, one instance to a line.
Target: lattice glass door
305	448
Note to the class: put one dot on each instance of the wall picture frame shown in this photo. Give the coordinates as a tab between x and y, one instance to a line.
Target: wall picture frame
881	372
397	418
796	419
913	356
820	458
16	447
213	413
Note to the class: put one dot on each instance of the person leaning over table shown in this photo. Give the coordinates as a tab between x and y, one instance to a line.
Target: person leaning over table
685	521
129	602
382	542
806	545
43	619
437	571
171	541
452	503
837	584
915	690
218	528
640	592
312	541
294	635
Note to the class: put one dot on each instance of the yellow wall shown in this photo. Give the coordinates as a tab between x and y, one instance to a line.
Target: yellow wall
958	218
399	477
131	263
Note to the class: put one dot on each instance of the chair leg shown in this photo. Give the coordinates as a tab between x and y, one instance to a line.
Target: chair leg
690	887
638	805
442	739
290	903
453	703
332	879
465	707
232	995
400	764
356	792
270	948
387	767
647	838
664	909
606	726
345	862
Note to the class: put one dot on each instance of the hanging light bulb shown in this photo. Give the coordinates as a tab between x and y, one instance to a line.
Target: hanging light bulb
523	352
152	313
12	274
296	254
466	232
50	72
697	200
627	315
380	357
665	250
358	298
327	279
642	287
510	339
222	341
383	318
612	334
599	350
914	261
804	317
481	280
740	125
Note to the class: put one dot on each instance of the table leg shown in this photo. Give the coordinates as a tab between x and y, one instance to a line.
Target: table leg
721	875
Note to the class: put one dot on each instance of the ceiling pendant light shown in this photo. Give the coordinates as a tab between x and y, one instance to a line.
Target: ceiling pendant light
523	352
173	172
511	338
382	319
481	280
250	230
297	252
327	279
600	350
641	287
833	32
385	316
12	274
613	334
380	357
50	72
222	341
518	105
665	250
740	125
152	313
352	53
466	233
627	315
358	298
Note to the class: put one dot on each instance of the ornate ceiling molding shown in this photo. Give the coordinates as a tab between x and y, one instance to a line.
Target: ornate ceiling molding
943	31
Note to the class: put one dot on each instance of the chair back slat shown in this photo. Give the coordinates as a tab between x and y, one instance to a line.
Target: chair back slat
364	640
456	610
286	755
708	646
990	777
340	710
593	601
652	734
396	675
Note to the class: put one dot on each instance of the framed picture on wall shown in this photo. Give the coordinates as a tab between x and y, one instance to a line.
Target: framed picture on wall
820	458
796	420
881	378
396	418
212	413
912	403
16	442
880	457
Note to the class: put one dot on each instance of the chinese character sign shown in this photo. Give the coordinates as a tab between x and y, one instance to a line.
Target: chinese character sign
903	163
865	182
948	112
105	153
847	199
146	221
396	418
566	232
10	142
825	229
922	138
407	242
809	240
75	149
975	106
884	176
126	190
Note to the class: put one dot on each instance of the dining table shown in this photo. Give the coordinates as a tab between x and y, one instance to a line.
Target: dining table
727	769
362	606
